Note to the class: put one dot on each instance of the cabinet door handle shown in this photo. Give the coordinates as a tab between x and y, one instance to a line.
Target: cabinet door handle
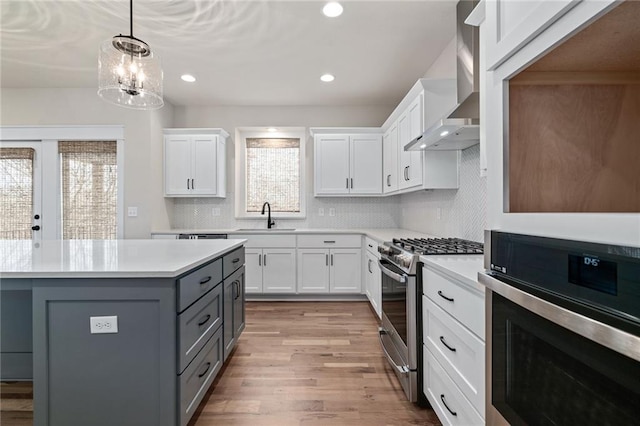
326	259
331	259
445	404
347	183
205	370
408	172
351	183
265	259
259	260
204	321
193	184
238	287
448	299
388	180
369	267
188	184
205	280
445	343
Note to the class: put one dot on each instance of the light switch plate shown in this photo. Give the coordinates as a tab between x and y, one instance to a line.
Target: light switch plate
101	325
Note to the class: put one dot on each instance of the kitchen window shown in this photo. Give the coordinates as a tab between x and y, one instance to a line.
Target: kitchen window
16	192
271	168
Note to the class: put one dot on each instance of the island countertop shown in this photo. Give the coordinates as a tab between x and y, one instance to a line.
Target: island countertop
107	258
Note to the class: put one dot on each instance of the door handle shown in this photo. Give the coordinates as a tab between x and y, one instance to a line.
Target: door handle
388	180
188	184
332	259
347	183
265	260
369	267
351	183
259	260
193	184
326	259
408	173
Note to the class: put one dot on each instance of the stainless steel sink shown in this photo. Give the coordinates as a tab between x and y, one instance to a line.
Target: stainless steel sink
265	230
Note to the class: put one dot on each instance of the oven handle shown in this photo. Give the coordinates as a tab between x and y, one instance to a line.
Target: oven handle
400	278
620	341
402	369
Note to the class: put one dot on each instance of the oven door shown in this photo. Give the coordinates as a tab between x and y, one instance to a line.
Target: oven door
398	330
549	365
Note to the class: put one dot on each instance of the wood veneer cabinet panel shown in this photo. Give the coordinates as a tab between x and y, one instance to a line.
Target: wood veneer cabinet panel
574	148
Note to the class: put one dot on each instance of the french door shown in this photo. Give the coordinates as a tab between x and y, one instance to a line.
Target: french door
21	190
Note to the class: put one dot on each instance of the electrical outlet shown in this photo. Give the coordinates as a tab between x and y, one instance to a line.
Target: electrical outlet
321	211
332	211
215	211
132	212
100	325
438	213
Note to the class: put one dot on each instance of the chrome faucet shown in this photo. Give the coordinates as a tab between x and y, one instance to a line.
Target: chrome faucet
269	222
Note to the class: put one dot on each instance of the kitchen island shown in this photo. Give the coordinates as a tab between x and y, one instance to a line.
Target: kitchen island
126	332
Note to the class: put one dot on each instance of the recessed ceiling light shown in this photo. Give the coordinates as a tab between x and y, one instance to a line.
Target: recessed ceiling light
423	146
444	133
188	78
272	129
327	78
332	9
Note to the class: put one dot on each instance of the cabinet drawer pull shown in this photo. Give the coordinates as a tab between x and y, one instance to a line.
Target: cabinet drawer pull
207	369
236	260
205	280
449	299
445	343
445	404
330	242
204	321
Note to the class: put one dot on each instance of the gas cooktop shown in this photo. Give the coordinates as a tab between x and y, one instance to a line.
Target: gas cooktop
438	246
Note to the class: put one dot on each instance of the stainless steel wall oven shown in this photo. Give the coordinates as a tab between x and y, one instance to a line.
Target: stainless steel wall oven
563	331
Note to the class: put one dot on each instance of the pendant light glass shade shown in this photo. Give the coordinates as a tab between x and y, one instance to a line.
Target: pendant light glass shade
129	73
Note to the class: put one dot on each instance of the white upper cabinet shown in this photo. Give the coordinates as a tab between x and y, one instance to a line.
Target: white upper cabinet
194	162
512	24
347	163
390	162
410	126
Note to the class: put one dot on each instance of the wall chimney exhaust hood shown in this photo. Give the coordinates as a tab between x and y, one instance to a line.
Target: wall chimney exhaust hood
460	128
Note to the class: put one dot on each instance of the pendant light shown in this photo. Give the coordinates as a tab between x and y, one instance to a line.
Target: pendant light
129	73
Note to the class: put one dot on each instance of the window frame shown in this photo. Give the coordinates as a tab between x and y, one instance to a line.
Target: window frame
244	133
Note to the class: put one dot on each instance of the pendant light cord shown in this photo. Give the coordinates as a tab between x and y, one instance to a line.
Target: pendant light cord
131	15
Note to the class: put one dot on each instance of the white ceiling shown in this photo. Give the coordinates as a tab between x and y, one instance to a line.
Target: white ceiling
241	52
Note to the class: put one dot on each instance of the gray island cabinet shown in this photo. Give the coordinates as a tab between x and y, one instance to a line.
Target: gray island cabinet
127	332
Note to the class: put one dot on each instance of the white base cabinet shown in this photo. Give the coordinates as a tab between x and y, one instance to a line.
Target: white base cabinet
373	282
329	263
270	263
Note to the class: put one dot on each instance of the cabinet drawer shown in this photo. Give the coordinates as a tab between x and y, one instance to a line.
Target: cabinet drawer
460	352
232	261
456	299
330	241
196	379
372	246
193	286
445	397
263	240
197	324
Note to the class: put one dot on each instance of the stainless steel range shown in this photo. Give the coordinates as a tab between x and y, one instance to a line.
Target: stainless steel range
401	330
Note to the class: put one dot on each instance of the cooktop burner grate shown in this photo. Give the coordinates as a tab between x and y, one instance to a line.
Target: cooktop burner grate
436	246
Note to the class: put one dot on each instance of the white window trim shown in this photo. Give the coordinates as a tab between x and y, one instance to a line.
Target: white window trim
242	133
49	136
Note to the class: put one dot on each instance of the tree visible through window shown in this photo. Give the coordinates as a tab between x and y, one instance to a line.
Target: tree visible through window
89	189
273	174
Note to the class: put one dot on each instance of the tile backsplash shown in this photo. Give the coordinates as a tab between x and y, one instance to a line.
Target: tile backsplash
446	213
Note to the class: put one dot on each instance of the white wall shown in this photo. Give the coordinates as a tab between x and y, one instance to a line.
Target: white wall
196	213
142	145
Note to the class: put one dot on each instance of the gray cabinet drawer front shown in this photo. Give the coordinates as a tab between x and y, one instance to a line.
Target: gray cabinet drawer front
193	286
197	324
232	261
199	375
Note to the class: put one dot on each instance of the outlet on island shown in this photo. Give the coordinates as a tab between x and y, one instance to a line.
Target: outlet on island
99	325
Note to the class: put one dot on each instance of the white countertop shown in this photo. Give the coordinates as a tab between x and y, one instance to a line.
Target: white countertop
107	258
379	234
464	268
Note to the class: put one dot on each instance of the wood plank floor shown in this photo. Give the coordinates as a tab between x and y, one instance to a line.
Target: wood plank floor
299	363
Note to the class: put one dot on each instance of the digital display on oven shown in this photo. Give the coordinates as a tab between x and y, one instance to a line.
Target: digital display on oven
594	273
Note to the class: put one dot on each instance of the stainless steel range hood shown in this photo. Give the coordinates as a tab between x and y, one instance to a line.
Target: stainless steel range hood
460	128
